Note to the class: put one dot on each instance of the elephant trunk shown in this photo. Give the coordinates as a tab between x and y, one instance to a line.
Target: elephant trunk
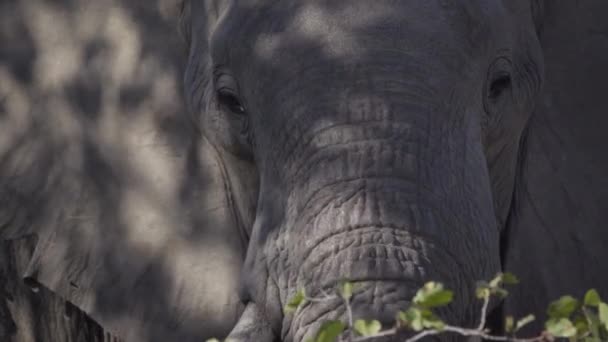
378	233
374	202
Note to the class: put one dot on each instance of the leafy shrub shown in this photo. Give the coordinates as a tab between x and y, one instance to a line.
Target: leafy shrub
577	320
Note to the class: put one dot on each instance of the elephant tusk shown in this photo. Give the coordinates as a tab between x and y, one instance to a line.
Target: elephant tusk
252	327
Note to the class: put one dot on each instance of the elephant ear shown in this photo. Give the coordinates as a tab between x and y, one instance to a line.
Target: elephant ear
155	266
135	214
558	232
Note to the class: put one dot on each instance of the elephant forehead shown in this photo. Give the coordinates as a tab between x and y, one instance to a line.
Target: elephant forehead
340	28
311	23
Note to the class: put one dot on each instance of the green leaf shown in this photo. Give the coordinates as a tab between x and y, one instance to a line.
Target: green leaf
503	278
415	319
509	279
212	340
591	339
603	314
592	298
431	321
432	294
296	301
494	283
346	290
560	327
500	292
563	307
367	328
418	318
581	325
522	322
412	318
593	323
329	331
509	324
483	290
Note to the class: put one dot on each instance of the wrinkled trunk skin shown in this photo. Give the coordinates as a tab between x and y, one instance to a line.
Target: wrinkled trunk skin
388	196
375	210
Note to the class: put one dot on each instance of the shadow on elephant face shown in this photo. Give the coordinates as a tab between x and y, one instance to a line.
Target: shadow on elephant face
374	142
383	142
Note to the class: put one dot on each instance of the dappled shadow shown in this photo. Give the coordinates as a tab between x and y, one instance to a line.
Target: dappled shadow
94	149
99	159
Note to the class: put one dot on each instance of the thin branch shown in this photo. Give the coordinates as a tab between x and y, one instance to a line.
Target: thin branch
483	334
449	328
484	310
383	333
479	331
349	315
422	334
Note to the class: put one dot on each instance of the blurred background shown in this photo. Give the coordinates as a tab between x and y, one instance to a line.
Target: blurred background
94	145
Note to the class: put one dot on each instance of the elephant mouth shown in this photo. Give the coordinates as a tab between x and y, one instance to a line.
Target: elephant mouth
387	266
373	254
377	299
372	299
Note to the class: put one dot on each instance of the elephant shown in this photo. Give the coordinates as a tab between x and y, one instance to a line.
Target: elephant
395	142
387	143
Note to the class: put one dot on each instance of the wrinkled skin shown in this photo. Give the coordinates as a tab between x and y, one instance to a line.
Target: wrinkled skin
371	149
383	140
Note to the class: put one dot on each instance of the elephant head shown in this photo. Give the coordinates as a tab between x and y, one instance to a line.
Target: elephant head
387	142
375	142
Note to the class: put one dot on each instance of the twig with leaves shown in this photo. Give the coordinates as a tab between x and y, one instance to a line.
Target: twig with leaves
568	318
585	320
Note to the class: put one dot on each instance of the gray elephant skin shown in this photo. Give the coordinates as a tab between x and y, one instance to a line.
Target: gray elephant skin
384	142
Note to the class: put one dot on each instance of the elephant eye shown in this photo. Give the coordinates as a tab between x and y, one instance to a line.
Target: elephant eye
230	100
498	86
